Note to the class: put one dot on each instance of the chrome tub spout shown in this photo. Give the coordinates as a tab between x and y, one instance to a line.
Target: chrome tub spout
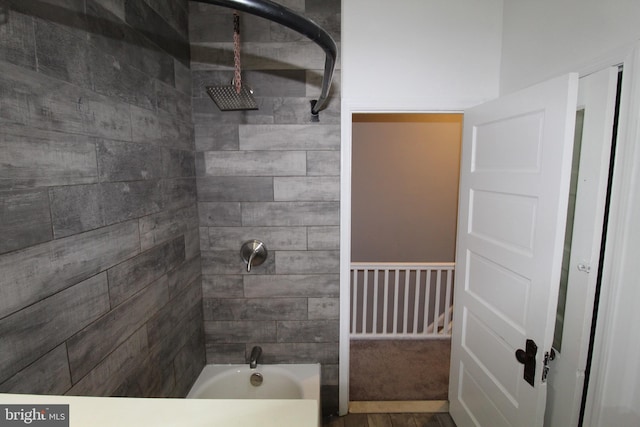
255	355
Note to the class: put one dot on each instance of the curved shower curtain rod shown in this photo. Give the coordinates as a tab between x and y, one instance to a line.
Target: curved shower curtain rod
284	16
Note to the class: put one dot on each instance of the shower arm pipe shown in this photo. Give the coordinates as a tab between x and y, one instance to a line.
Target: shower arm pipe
287	17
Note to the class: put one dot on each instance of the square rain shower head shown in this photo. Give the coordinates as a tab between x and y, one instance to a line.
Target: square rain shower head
227	99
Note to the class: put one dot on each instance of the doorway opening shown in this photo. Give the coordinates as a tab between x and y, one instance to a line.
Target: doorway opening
405	177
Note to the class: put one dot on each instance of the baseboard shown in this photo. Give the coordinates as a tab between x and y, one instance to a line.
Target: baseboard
399	406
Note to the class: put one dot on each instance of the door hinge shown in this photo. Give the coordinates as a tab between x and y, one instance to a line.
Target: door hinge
548	357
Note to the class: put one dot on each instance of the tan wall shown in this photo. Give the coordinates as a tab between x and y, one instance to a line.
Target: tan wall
405	187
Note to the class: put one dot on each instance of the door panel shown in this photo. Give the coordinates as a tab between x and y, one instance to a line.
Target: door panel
514	181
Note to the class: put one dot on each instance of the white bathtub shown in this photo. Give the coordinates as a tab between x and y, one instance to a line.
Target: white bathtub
279	382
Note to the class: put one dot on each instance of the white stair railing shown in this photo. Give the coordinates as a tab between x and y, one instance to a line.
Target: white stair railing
401	300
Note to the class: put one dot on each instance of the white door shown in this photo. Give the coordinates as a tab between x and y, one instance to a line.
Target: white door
592	150
514	184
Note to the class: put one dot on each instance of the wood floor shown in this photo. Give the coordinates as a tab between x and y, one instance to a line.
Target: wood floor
390	420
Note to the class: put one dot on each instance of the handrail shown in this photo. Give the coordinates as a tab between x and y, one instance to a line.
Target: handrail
287	17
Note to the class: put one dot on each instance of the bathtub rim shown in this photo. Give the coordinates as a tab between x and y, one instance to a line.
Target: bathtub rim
307	374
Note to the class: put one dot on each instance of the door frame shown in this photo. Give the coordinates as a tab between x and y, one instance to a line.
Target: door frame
619	248
620	216
348	110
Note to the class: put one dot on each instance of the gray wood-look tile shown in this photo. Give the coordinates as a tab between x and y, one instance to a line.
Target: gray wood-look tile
110	35
182	77
34	273
38	158
40	102
306	188
307	262
184	276
223	214
75	209
72	162
160	128
26	219
224	353
230	262
175	13
47	375
222	286
126	161
213	136
166	225
277	83
172	101
323	163
294	285
109	373
146	20
88	347
290	213
234	189
192	243
179	193
208	23
63	55
263	56
116	7
121	81
167	329
324	238
289	137
178	163
67	13
255	309
274	238
255	163
238	331
148	379
120	201
204	237
129	277
324	308
18	49
30	333
308	331
188	364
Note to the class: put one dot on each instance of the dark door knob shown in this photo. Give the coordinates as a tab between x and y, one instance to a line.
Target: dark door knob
528	358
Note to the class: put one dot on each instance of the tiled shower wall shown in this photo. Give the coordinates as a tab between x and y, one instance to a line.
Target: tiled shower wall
100	271
271	175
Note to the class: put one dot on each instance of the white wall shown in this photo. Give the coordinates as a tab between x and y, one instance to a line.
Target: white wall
545	38
420	54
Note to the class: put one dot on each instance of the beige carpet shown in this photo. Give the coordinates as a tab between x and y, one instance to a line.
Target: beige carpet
399	370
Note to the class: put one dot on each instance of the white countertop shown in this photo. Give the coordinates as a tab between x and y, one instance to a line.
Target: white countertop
136	412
